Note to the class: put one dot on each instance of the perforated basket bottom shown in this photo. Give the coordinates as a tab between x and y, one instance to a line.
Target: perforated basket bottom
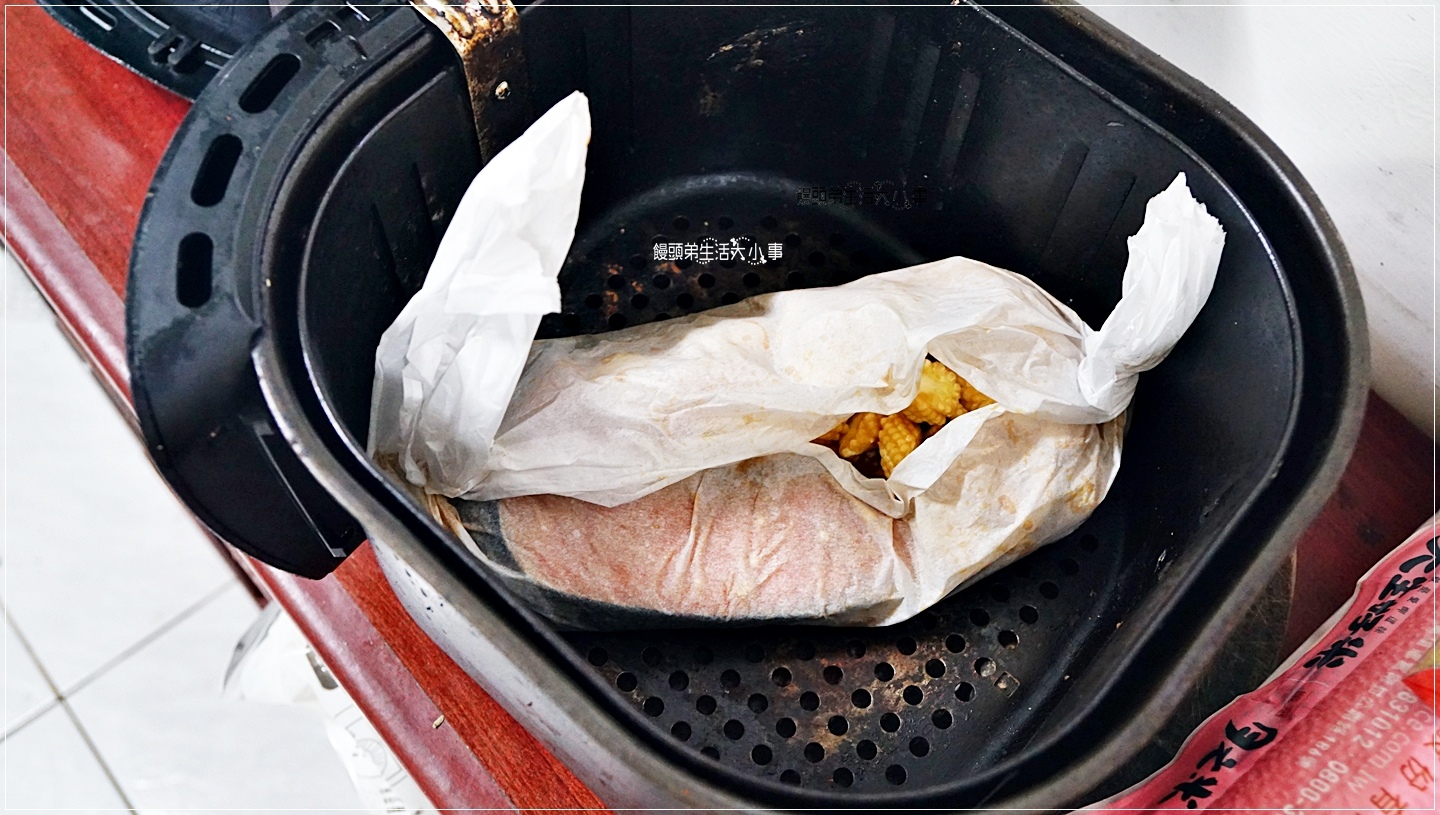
914	704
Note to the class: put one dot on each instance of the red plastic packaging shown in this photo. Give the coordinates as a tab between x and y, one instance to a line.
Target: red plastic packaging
1347	723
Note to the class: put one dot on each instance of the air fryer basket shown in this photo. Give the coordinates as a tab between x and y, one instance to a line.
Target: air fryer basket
278	244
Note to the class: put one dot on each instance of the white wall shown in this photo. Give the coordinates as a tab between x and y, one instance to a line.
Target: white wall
1349	94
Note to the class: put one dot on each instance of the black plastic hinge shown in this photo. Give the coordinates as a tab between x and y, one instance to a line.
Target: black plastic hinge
179	52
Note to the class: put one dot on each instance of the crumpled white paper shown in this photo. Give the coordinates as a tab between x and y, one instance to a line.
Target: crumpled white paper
446	367
612	418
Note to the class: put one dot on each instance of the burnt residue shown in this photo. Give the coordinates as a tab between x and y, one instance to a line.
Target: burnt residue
777	48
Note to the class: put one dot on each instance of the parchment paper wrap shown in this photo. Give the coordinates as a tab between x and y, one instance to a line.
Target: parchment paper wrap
667	468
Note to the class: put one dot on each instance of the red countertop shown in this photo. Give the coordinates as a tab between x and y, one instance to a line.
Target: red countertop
83	136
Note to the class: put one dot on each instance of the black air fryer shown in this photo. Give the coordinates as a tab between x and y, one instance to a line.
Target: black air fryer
299	207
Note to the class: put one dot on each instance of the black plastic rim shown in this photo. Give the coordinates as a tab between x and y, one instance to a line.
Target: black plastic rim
180	46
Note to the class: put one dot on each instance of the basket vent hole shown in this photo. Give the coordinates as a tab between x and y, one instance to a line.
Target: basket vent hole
935	668
890	722
730	679
711	752
913	695
979	617
1009	639
837	725
790	777
724	222
757	703
985	666
942	719
905	645
965	691
679	680
855	648
814	752
1049	590
1069	566
884	671
843	777
751	279
795	280
1022	568
616	281
780	676
598	656
792	240
594	301
681	223
660	281
267	85
804	651
809	700
637	261
1089	543
769	222
617	321
919	747
193	263
650	656
833	674
954	643
928	621
860	698
999	593
785	728
215	170
761	755
661	317
685	301
626	682
681	731
1029	615
817	259
734	730
705	705
728	263
895	774
729	298
754	652
654	706
1007	683
639	301
704	655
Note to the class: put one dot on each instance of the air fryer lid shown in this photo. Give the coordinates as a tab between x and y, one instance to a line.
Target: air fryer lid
280	243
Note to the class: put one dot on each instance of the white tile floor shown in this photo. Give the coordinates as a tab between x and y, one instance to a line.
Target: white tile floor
120	617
